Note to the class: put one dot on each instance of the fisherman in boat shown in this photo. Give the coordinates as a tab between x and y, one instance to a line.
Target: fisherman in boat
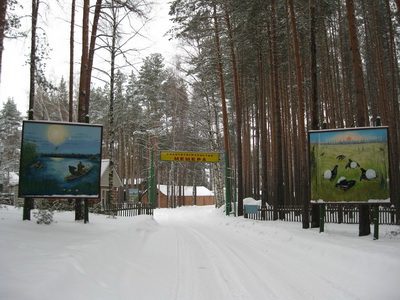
78	171
73	171
80	167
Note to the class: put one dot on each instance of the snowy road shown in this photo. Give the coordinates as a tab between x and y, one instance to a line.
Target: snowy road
214	258
192	253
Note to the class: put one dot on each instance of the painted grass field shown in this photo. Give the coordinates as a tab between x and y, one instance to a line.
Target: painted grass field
363	155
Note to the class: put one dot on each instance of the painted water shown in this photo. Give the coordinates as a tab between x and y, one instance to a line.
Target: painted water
48	177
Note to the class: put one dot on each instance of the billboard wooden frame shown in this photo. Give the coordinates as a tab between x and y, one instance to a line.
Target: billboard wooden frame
60	160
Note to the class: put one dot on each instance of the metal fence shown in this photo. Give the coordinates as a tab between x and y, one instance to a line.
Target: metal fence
129	210
335	213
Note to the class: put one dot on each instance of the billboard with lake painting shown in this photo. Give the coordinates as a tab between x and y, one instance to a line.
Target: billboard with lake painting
60	160
349	165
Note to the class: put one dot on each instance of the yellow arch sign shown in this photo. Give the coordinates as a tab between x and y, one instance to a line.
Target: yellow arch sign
189	156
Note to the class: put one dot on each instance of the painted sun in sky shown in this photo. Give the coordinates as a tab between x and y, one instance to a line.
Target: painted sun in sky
348	137
57	134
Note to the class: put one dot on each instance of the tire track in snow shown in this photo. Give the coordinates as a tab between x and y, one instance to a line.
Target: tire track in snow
211	267
240	267
282	268
196	273
249	266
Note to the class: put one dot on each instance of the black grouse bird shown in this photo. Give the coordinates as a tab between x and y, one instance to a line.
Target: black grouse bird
345	184
368	174
352	164
331	174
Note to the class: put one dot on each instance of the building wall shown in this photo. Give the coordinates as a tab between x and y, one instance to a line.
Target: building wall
188	201
201	200
162	200
104	195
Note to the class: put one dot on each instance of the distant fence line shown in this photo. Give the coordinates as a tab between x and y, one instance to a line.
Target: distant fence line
129	210
347	214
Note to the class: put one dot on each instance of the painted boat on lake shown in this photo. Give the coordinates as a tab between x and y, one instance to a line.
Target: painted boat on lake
84	171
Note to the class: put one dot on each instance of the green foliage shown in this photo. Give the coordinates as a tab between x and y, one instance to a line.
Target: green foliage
29	155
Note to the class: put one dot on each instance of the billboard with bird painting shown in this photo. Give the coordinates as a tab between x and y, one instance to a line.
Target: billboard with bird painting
349	165
60	160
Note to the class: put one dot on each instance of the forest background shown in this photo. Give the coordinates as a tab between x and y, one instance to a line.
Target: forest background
252	79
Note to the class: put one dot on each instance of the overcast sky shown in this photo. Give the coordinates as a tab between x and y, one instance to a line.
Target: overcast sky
15	73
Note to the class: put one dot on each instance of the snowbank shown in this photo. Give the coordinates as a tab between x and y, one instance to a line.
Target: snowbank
192	253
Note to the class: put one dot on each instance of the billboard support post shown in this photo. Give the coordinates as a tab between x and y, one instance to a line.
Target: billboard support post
28	202
376	221
322	210
86	211
27	209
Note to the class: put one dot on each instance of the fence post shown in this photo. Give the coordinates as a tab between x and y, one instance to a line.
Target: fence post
152	180
227	186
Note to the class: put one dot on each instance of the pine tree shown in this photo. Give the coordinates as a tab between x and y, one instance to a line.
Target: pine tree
10	137
152	75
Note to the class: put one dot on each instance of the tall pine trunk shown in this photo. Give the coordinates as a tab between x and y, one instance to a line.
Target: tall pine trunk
91	51
84	63
362	114
3	13
314	110
71	65
278	189
238	114
222	90
29	202
262	121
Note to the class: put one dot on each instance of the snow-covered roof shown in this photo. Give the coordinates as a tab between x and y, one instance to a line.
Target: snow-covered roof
251	201
13	178
105	163
201	191
104	166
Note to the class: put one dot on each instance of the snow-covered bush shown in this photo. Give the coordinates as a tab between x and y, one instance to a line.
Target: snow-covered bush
44	213
62	205
394	233
96	209
44	216
112	214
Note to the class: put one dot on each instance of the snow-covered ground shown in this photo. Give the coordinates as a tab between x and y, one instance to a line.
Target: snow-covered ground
192	253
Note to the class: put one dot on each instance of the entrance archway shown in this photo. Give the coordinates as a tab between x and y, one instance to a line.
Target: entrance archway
195	157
